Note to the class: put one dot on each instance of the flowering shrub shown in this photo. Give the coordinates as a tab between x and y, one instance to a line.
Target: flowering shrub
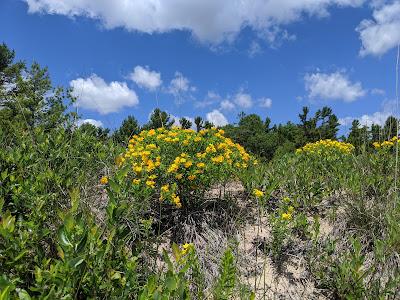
323	147
386	144
178	165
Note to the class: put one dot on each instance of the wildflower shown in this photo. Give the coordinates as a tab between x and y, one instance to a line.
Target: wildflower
201	165
286	216
136	181
138	169
150	183
173	168
258	193
186	247
178	176
104	180
119	160
218	159
176	200
290	209
188	164
192	177
165	188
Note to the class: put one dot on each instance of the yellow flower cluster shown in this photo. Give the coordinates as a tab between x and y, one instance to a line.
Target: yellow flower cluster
257	193
323	146
287	216
186	247
387	144
174	162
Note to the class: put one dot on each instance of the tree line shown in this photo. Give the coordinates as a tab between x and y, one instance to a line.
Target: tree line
28	99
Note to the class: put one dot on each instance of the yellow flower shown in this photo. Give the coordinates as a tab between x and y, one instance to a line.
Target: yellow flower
201	165
138	169
136	181
165	188
176	200
376	145
104	180
192	177
218	159
186	247
178	176
151	132
258	193
119	160
290	209
152	177
150	183
188	164
173	168
286	216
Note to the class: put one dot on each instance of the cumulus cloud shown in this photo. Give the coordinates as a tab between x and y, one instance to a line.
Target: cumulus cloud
243	100
265	102
146	78
95	94
212	21
383	32
96	123
217	118
379	117
334	86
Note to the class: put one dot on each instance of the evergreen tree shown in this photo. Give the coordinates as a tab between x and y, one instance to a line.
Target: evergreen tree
185	123
27	97
158	119
199	123
390	127
129	128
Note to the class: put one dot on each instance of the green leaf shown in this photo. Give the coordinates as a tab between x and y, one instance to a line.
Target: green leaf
114	186
5	294
123	172
23	295
63	238
75	262
167	260
82	243
74	195
170	282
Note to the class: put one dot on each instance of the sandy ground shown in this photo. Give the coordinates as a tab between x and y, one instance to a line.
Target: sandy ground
255	267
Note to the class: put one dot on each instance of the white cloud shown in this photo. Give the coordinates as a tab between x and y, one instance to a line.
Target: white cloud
96	123
243	100
334	86
265	102
180	85
254	49
383	33
213	21
378	92
217	118
95	94
146	78
227	105
379	117
210	99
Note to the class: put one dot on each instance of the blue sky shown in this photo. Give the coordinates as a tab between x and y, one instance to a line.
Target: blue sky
213	58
